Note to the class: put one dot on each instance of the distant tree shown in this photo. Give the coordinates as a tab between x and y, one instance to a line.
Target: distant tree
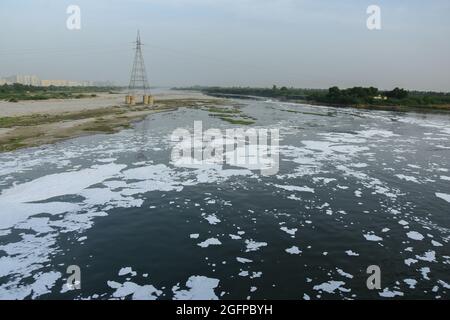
373	91
397	93
334	92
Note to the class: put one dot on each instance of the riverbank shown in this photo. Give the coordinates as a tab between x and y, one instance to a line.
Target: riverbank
417	109
351	187
444	108
369	98
34	123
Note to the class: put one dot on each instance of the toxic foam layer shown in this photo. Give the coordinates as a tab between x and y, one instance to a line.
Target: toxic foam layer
325	163
199	288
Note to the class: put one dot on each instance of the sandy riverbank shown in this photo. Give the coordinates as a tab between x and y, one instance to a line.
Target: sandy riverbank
34	123
102	100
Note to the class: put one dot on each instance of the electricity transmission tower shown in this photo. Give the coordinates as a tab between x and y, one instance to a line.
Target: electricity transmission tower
138	81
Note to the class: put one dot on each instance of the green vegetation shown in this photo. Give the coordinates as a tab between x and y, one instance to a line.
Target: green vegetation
373	96
230	115
39	119
38	129
12	144
218	110
328	114
361	97
274	92
17	92
237	121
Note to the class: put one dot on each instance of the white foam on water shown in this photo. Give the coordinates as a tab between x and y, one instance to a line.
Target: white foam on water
294	250
344	274
43	283
31	253
137	292
324	180
407	178
121	188
243	260
376	133
436	244
372	237
411	283
200	288
127	270
254	246
210	242
150	178
414	235
107	160
291	232
17	199
443	196
38	225
429	256
295	188
425	271
212	219
331	287
256	275
369	182
243	274
54	185
328	147
351	253
410	261
390	293
19	212
444	284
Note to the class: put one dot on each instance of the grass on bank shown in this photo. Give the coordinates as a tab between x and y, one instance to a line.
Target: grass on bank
39	119
18	92
237	121
360	97
38	129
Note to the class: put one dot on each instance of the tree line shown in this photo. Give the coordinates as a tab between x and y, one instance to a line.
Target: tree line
336	96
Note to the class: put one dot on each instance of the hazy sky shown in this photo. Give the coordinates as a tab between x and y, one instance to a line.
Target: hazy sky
302	43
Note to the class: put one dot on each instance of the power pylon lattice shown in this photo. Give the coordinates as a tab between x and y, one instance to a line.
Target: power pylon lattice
138	81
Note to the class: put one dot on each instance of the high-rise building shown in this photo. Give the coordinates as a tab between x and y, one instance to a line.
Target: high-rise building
35	81
65	83
30	80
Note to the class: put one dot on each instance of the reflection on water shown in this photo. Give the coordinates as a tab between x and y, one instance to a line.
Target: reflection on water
354	189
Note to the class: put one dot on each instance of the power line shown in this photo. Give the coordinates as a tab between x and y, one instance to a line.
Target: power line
138	79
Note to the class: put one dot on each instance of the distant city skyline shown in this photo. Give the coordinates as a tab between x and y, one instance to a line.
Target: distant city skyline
34	80
304	43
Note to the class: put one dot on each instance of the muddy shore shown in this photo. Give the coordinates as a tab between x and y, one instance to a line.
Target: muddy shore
34	123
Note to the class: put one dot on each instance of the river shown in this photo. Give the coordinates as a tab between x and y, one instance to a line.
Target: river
355	188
